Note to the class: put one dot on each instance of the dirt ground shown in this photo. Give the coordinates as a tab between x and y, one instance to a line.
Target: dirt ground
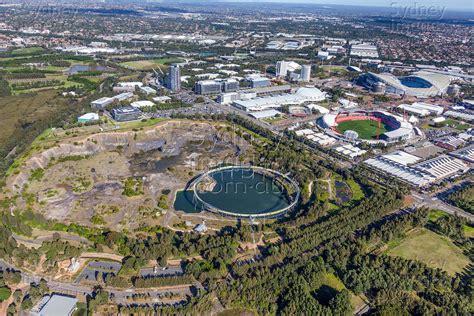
121	180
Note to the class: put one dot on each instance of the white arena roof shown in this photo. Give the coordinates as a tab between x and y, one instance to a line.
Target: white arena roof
442	166
402	157
420	174
395	169
439	83
301	96
264	114
142	104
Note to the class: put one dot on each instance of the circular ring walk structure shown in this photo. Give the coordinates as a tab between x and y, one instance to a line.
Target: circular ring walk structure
284	182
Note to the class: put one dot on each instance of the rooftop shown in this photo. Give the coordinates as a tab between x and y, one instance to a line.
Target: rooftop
59	305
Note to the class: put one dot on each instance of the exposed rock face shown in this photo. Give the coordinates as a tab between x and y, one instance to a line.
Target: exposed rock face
169	136
90	146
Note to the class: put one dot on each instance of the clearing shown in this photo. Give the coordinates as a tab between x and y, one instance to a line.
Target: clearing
434	250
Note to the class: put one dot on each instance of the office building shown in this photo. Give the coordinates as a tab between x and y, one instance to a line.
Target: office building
259	82
174	78
206	87
284	67
305	73
229	85
127	113
216	86
281	69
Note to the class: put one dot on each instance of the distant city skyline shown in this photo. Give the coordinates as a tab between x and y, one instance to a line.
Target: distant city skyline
412	4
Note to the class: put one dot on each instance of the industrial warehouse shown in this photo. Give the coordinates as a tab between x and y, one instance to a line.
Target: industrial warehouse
399	165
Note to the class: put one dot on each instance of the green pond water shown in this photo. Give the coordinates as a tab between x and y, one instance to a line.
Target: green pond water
239	191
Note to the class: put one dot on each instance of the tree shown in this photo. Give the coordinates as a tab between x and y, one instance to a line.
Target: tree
5	293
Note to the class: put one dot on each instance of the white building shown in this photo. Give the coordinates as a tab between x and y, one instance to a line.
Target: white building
147	90
227	98
88	117
364	50
264	114
419	174
284	67
324	55
301	96
350	151
142	104
162	99
55	305
102	102
460	115
422	109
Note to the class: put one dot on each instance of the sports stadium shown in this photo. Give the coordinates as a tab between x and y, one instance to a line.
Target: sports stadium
419	84
369	126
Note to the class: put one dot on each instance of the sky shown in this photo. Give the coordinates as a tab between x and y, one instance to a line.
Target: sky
411	4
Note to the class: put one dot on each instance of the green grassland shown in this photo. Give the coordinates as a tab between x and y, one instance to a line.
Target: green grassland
16	111
27	51
367	129
434	250
357	193
150	63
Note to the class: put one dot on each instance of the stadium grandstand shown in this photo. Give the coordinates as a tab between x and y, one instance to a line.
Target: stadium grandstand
369	126
419	84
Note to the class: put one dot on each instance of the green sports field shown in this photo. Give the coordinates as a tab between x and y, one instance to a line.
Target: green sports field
367	129
434	250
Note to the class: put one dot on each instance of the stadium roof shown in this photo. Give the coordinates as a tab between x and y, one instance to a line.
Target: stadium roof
439	83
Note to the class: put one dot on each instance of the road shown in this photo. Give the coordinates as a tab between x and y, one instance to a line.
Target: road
434	202
119	295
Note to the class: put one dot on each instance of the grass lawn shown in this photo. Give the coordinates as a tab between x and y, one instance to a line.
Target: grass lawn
150	63
334	282
456	124
434	250
357	193
367	129
27	51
